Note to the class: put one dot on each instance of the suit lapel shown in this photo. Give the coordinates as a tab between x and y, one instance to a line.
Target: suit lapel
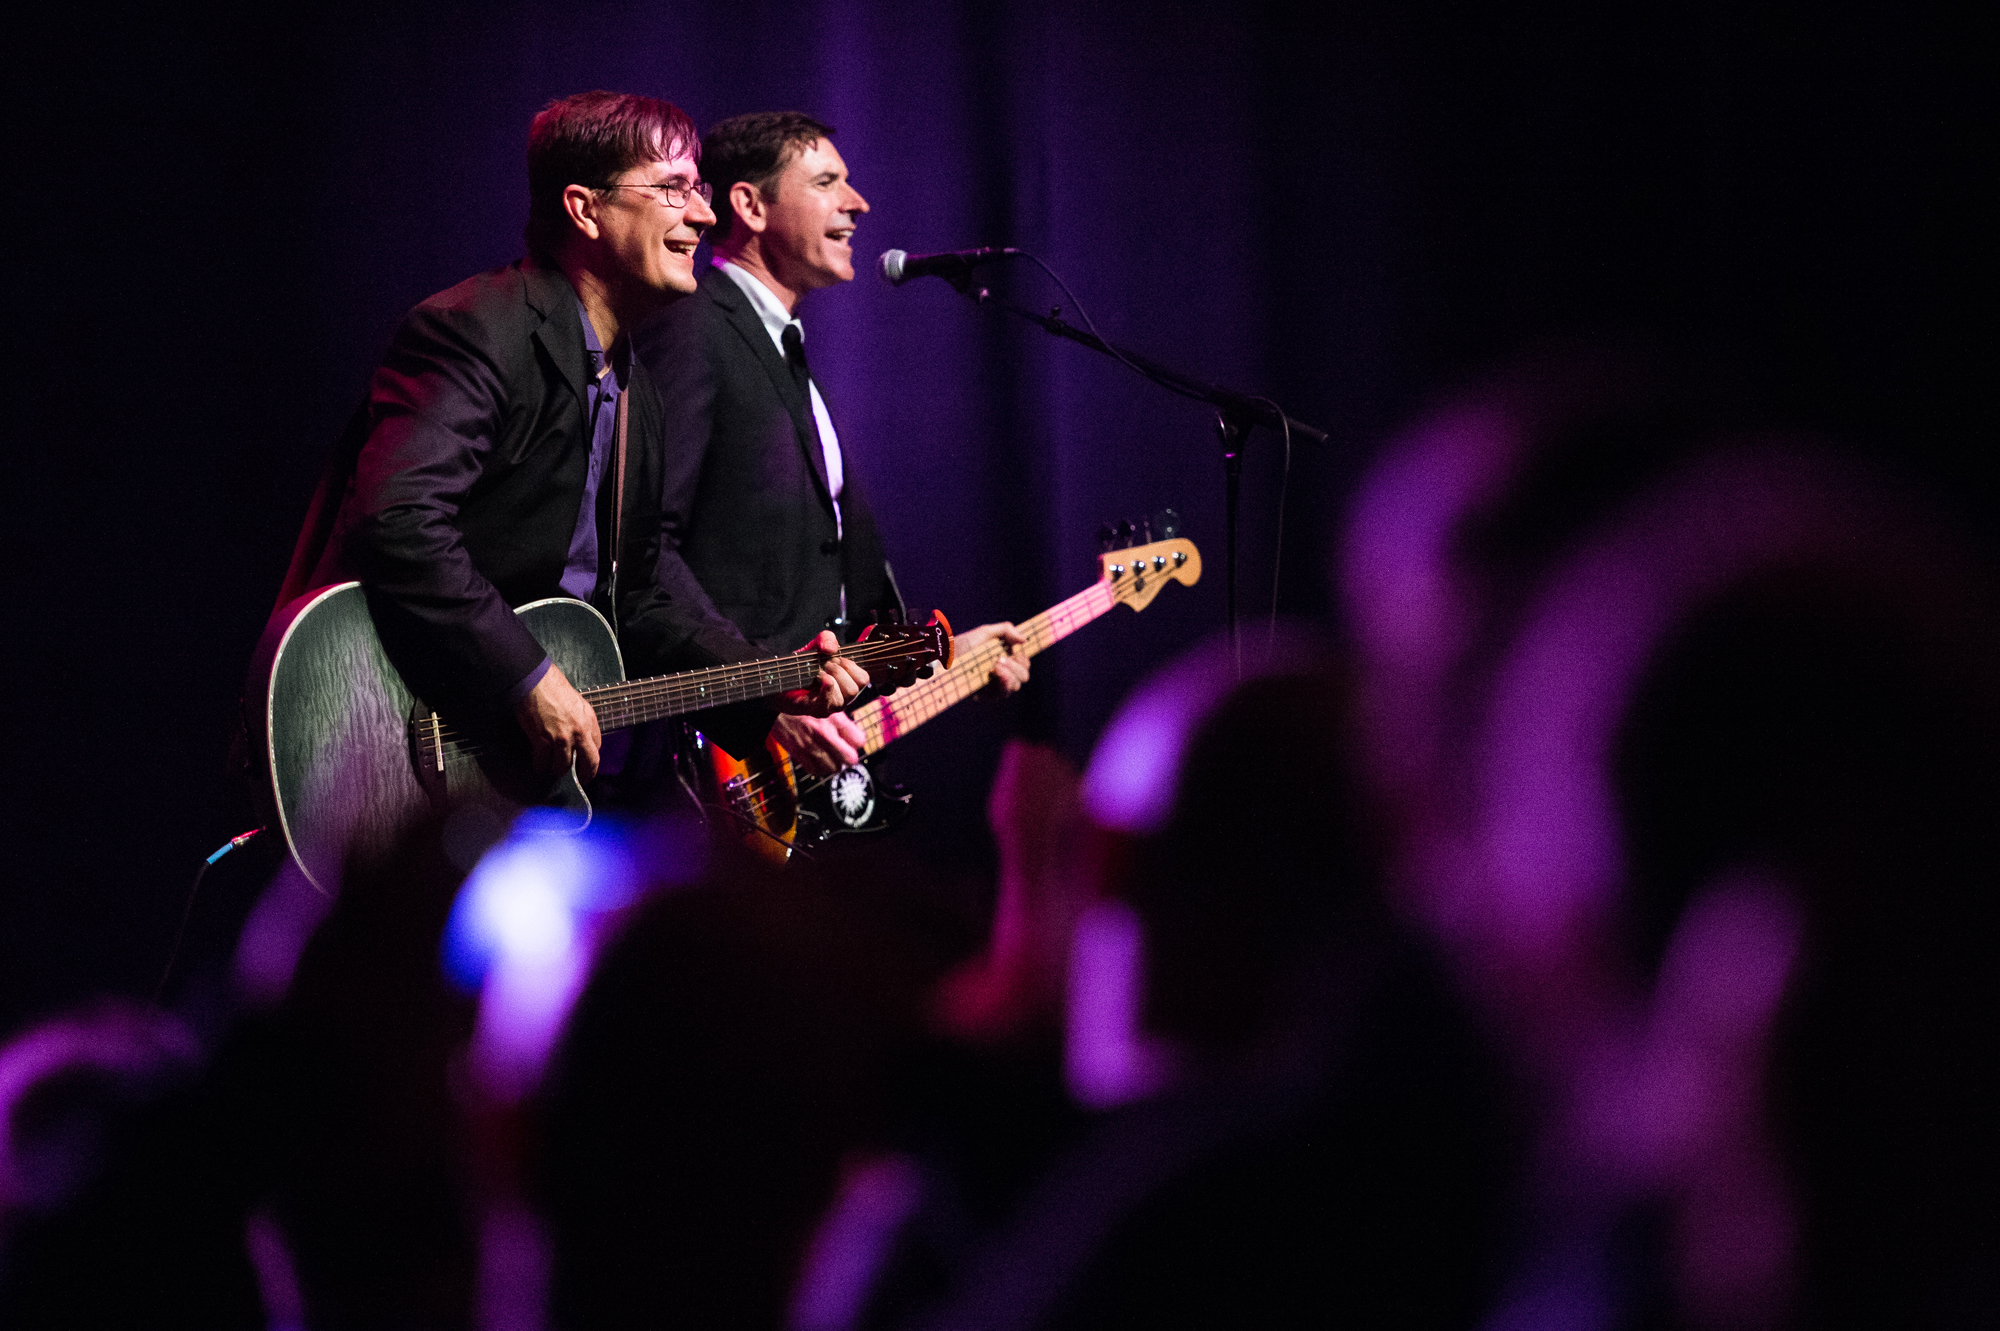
560	333
743	318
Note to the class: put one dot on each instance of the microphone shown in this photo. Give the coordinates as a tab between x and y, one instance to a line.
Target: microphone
899	266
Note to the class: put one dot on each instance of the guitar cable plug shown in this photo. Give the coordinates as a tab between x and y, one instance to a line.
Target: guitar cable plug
187	909
240	839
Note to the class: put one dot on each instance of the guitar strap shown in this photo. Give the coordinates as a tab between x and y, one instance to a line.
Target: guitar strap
618	496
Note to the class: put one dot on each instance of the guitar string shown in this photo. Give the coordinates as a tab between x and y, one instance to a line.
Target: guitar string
642	700
611	717
921	702
914	707
620	713
638	700
766	785
638	694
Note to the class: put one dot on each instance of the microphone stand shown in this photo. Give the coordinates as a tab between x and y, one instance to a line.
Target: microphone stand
1235	414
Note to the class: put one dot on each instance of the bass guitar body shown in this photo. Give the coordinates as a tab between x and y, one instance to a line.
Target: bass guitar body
781	810
355	760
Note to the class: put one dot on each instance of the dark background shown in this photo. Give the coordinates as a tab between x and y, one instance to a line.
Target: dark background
218	220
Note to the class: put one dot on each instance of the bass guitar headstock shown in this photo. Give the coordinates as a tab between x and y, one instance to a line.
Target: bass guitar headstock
1137	572
895	651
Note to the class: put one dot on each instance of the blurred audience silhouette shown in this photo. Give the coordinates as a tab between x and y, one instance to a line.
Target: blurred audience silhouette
1690	741
1287	1115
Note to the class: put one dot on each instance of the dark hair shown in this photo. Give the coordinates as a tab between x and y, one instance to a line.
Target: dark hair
587	140
756	148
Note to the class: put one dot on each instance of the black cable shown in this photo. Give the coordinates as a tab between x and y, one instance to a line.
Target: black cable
187	909
1278	554
1284	424
1109	346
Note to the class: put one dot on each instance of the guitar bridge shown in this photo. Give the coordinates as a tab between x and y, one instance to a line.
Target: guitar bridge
427	735
427	741
740	799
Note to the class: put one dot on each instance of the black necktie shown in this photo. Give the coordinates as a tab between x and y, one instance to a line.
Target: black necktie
795	356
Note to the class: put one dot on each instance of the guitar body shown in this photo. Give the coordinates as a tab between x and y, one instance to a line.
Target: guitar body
354	760
780	808
758	791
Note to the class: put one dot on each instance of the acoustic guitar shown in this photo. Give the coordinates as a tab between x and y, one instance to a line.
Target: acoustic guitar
354	758
780	807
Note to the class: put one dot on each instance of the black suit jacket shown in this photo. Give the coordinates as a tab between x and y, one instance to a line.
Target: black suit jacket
748	562
453	495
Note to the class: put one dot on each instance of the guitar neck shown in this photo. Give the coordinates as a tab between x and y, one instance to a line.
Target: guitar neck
887	719
641	700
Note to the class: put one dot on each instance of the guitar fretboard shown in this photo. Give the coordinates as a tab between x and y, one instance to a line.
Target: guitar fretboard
635	702
886	719
641	700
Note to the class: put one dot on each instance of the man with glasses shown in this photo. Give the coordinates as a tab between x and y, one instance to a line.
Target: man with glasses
480	472
766	539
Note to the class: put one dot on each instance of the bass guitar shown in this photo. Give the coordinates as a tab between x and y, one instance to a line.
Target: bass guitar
781	807
354	758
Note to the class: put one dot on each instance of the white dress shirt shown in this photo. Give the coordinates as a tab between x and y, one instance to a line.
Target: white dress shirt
775	317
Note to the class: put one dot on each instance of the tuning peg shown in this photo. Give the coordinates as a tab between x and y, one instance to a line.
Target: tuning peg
1107	538
1125	532
1145	531
1166	525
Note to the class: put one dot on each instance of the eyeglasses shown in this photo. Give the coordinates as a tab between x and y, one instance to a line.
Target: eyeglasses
676	192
